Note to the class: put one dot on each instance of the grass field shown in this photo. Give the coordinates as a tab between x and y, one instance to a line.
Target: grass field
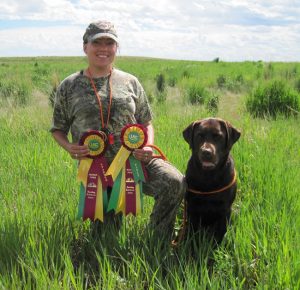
43	246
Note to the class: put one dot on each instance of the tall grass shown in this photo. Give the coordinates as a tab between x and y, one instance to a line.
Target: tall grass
16	90
273	99
42	245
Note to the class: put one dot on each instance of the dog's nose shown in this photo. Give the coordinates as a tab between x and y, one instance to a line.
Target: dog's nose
206	152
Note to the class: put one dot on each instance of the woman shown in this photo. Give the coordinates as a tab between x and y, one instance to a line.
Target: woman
104	98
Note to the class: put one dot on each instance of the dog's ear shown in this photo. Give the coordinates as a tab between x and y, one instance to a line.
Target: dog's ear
188	133
232	134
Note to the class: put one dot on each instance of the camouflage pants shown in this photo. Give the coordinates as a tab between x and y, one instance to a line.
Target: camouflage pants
167	185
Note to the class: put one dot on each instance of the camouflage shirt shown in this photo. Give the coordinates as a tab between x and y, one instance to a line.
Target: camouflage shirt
76	108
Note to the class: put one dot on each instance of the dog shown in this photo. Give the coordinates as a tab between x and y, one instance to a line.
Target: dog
210	176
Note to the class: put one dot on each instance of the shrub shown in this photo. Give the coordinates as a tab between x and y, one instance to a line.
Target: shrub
160	83
161	97
196	93
269	71
273	99
221	81
230	83
54	85
212	103
260	69
240	79
41	76
6	89
23	93
172	81
297	85
17	90
150	96
186	74
150	90
289	73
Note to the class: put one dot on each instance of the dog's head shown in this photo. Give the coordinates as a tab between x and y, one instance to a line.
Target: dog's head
211	140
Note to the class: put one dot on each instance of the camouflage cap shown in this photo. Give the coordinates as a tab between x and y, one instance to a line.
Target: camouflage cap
100	29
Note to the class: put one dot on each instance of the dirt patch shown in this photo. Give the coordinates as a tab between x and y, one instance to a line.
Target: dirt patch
230	104
40	99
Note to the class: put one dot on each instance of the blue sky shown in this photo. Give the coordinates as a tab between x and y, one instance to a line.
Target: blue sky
233	30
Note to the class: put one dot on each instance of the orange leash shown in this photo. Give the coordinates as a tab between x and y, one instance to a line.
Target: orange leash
182	230
161	154
233	181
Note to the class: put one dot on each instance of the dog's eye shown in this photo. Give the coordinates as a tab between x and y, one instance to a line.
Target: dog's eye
217	136
200	136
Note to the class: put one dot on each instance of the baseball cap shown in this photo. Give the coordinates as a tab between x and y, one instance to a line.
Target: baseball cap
100	29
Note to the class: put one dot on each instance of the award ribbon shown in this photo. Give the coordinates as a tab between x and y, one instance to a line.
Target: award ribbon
127	172
91	175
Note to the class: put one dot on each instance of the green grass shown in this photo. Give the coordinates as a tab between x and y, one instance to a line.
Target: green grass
42	245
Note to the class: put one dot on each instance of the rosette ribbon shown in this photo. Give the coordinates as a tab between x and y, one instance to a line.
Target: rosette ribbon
93	199
128	173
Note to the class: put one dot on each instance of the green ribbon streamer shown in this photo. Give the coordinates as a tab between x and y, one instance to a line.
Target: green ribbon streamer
81	201
138	175
137	169
114	197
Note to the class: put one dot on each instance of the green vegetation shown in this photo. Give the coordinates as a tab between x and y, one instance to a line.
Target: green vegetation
42	245
273	99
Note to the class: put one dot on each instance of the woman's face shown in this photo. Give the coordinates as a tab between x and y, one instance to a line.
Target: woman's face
101	52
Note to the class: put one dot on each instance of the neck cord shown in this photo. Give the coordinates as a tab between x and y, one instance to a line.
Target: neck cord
99	99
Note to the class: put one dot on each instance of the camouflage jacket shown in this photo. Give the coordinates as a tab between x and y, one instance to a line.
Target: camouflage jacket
76	108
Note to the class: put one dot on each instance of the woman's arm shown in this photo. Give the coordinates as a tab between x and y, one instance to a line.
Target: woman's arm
76	151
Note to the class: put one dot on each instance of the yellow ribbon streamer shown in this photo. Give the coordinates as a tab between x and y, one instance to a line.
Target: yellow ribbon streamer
99	202
118	162
121	202
83	170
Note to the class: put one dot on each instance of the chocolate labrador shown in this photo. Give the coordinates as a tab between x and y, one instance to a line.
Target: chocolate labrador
210	175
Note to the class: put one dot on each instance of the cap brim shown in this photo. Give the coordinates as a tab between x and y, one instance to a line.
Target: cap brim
103	35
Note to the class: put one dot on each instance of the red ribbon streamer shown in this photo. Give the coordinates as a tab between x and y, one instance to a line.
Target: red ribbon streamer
97	169
130	192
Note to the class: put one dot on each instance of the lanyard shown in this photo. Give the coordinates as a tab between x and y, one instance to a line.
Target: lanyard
99	99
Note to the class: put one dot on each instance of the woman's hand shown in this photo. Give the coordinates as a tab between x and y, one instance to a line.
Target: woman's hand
78	151
145	154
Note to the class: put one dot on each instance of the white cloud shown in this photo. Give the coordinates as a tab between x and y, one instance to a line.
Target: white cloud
41	41
202	30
